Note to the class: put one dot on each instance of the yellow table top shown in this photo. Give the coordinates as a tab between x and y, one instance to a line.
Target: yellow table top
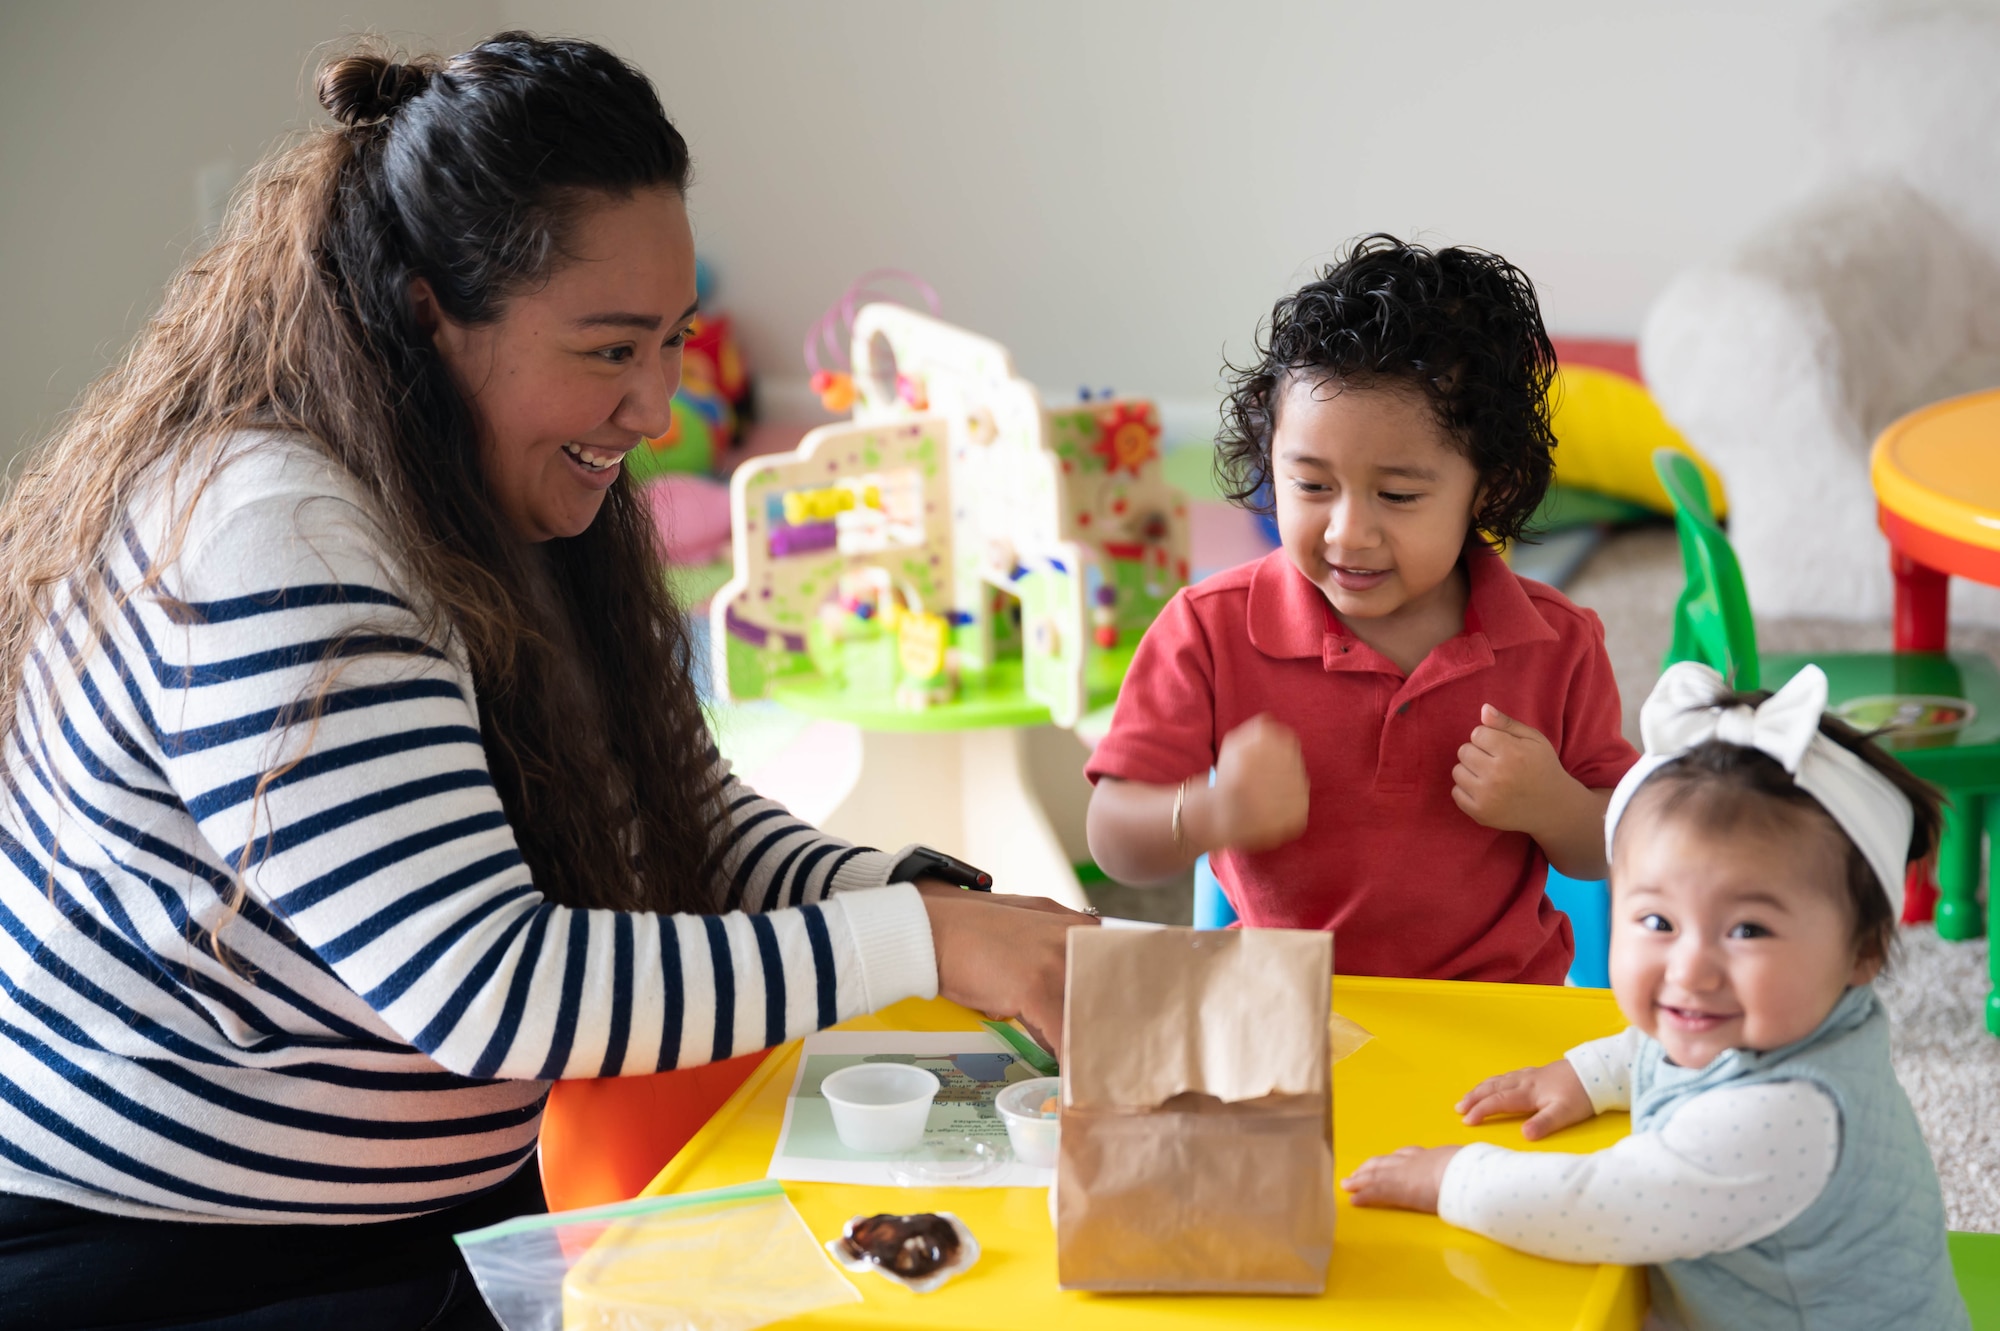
1391	1269
1939	468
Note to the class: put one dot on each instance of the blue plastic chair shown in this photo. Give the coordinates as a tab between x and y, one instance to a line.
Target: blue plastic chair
1211	909
1587	902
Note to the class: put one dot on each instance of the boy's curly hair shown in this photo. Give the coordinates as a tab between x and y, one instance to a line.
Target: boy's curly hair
1459	325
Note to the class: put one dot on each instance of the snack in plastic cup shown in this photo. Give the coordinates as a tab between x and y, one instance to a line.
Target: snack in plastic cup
880	1108
1035	1136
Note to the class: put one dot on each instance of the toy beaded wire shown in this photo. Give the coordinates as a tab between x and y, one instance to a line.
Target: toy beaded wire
834	328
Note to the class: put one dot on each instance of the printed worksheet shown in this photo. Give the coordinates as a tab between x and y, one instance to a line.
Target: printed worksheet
973	1067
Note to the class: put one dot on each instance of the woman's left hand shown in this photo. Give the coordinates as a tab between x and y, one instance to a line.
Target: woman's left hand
1408	1179
1006	956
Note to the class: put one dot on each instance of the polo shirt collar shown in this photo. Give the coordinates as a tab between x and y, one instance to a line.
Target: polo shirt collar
1291	618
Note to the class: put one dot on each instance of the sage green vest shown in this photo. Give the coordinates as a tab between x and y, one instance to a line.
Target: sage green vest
1869	1253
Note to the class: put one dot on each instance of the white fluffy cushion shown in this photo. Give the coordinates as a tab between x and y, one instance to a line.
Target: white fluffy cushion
1882	293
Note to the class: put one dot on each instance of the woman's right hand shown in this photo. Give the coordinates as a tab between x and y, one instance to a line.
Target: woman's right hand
1003	955
1261	794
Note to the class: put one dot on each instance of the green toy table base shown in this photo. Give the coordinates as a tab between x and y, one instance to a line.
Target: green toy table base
995	698
975	709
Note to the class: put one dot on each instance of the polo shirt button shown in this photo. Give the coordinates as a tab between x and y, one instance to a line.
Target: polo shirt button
1343	649
1404	708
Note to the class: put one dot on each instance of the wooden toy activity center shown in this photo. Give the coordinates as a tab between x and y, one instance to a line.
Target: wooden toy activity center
962	572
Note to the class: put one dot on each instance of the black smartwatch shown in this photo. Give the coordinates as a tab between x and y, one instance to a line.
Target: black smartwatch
924	862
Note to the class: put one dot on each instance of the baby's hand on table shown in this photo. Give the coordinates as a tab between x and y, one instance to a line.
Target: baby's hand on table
1261	794
1408	1179
1505	774
1552	1095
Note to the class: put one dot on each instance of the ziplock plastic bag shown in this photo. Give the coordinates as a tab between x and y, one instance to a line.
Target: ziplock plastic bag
725	1260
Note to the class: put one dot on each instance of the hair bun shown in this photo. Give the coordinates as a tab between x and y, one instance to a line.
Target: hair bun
368	87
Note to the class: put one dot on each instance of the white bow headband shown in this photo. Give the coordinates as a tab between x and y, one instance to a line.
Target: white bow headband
1681	713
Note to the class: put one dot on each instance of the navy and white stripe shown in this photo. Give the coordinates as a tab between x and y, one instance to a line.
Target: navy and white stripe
401	993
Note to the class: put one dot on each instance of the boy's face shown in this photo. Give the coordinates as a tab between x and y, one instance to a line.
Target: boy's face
1728	940
1374	501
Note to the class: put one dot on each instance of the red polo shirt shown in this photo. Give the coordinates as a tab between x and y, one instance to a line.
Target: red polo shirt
1409	884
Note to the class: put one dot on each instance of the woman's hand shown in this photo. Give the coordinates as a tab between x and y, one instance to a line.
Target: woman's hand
1003	955
1408	1179
1552	1095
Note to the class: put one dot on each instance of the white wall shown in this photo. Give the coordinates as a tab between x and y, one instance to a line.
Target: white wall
1119	189
1116	188
108	111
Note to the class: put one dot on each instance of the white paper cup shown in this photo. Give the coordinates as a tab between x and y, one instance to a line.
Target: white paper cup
880	1108
1035	1138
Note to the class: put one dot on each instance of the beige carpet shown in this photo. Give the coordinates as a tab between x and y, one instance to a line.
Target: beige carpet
1936	990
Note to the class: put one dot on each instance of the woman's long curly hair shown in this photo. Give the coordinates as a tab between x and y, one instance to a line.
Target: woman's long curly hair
471	173
1460	326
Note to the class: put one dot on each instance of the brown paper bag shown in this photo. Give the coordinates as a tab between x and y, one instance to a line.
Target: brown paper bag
1197	1114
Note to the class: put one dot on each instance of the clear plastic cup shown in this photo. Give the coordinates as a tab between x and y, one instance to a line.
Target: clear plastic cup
880	1108
1035	1138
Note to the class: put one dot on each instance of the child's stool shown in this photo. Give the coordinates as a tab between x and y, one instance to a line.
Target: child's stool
1587	902
604	1139
1211	909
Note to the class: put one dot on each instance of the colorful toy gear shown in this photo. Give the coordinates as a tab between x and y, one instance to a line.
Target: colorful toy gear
1128	436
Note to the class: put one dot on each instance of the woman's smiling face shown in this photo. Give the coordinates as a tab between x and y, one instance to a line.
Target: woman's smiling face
576	372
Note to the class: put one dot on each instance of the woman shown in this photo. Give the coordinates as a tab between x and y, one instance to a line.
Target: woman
356	786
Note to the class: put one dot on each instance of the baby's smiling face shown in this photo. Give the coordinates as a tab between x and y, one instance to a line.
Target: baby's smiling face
1736	939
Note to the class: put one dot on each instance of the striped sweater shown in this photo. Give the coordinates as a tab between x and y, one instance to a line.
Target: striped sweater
402	995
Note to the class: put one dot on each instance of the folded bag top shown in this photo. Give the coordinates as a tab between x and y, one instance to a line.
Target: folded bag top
1238	1014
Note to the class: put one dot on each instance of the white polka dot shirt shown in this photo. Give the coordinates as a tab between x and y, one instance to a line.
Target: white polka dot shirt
1732	1166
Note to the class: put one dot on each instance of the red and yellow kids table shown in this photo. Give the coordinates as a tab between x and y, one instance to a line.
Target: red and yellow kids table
1936	474
1391	1269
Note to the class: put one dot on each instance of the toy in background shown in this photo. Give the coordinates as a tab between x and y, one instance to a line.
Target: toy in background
715	401
833	377
874	637
959	573
1606	426
957	543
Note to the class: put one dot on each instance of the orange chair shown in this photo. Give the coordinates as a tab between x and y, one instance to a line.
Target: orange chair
603	1140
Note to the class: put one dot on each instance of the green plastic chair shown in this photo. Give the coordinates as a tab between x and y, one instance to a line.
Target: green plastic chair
1975	1261
1712	624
